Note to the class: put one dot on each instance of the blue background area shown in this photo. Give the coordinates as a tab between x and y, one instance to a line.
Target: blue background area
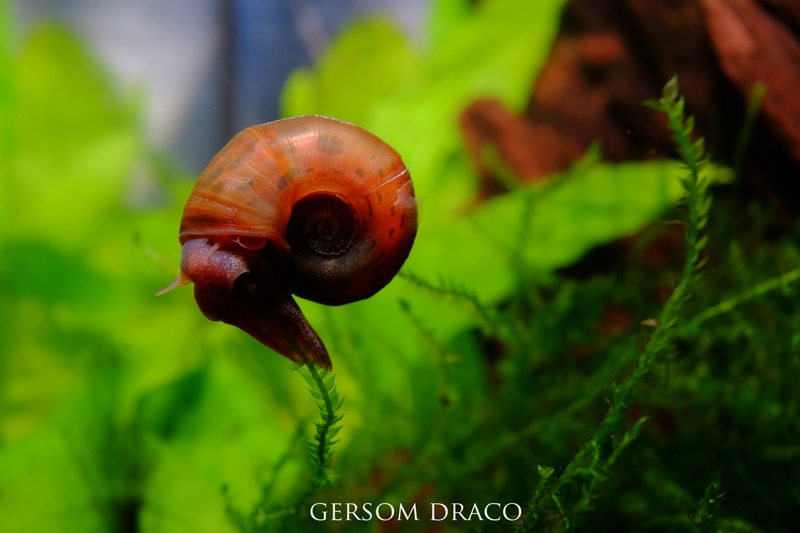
208	68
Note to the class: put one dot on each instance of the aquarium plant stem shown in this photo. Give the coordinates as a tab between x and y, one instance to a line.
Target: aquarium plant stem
329	402
565	497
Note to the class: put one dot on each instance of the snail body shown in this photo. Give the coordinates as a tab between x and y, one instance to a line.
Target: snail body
310	206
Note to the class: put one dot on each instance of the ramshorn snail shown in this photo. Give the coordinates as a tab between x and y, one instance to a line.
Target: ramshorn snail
310	206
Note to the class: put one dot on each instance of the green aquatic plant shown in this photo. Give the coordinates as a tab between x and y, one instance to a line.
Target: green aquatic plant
608	349
270	512
323	387
581	478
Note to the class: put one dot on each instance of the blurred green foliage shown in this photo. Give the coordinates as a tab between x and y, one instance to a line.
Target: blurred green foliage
476	376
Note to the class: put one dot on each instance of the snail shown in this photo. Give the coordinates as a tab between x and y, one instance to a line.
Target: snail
310	206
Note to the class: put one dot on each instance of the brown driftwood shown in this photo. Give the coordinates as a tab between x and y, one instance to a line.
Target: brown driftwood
752	46
788	10
612	55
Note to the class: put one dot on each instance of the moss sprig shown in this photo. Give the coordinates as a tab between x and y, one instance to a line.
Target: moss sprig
572	494
322	387
695	183
486	316
705	517
729	304
271	516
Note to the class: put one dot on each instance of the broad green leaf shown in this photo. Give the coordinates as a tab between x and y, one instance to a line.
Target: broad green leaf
233	436
547	228
6	120
444	16
370	61
412	99
44	488
74	142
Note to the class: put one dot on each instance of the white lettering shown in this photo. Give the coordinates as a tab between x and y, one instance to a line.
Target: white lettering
367	506
475	510
519	512
350	509
457	511
402	512
385	511
378	512
486	512
433	511
324	512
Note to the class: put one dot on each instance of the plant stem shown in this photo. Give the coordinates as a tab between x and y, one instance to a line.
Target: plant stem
328	418
728	305
589	468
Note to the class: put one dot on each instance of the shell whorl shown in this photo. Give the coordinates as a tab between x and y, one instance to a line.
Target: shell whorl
271	174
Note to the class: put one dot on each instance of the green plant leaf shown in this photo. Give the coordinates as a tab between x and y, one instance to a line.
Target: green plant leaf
74	147
412	99
44	488
538	230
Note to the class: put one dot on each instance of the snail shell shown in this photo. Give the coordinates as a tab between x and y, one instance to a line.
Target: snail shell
310	206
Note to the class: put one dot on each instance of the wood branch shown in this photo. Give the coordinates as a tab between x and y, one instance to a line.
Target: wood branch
753	47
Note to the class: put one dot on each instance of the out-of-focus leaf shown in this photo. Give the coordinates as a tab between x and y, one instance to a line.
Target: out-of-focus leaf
414	99
537	230
443	16
372	58
183	499
162	409
230	438
81	471
544	229
6	111
74	142
44	489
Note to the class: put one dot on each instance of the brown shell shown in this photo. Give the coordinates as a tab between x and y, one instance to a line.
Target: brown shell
251	186
243	203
